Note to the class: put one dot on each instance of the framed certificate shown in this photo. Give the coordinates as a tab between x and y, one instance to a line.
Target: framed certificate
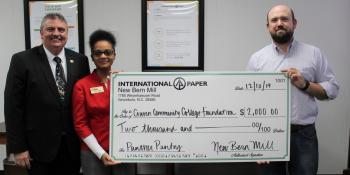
172	35
72	10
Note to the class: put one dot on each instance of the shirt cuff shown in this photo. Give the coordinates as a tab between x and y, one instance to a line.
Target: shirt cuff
331	89
92	143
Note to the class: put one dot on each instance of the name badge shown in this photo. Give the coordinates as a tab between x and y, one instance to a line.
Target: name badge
95	90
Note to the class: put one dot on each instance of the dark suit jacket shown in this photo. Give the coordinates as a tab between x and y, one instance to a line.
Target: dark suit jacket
35	117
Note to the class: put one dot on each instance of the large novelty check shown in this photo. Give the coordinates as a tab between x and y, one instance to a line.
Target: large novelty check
199	117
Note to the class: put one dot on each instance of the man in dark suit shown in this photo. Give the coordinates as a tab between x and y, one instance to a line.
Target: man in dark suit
38	90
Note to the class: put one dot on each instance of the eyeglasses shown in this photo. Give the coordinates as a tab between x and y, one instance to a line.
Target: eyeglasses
107	52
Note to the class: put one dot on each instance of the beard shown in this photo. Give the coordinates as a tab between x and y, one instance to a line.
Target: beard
282	38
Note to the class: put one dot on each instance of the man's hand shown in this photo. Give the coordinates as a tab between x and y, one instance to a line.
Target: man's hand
108	160
297	79
23	159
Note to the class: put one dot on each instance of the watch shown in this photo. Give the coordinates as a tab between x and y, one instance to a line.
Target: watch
307	84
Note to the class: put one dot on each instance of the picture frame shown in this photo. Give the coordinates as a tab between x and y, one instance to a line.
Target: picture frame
72	10
172	35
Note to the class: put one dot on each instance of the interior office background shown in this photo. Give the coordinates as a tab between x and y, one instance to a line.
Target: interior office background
234	29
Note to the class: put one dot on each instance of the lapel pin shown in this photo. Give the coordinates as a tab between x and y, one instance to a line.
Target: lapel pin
71	61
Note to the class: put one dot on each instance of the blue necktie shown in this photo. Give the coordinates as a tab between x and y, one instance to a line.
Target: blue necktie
60	80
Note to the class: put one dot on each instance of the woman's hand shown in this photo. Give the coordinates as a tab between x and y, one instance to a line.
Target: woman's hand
261	162
108	160
115	71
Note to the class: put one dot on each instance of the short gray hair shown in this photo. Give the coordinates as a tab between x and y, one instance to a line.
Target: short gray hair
52	16
291	12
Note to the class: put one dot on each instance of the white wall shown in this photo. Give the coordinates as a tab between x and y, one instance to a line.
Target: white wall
233	31
11	41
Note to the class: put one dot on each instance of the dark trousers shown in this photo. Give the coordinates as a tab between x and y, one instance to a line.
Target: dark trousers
63	164
303	154
91	165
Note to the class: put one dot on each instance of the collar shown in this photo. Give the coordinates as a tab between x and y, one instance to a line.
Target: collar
50	56
96	78
291	46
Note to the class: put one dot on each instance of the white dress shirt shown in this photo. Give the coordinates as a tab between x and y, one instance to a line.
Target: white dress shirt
313	66
53	64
